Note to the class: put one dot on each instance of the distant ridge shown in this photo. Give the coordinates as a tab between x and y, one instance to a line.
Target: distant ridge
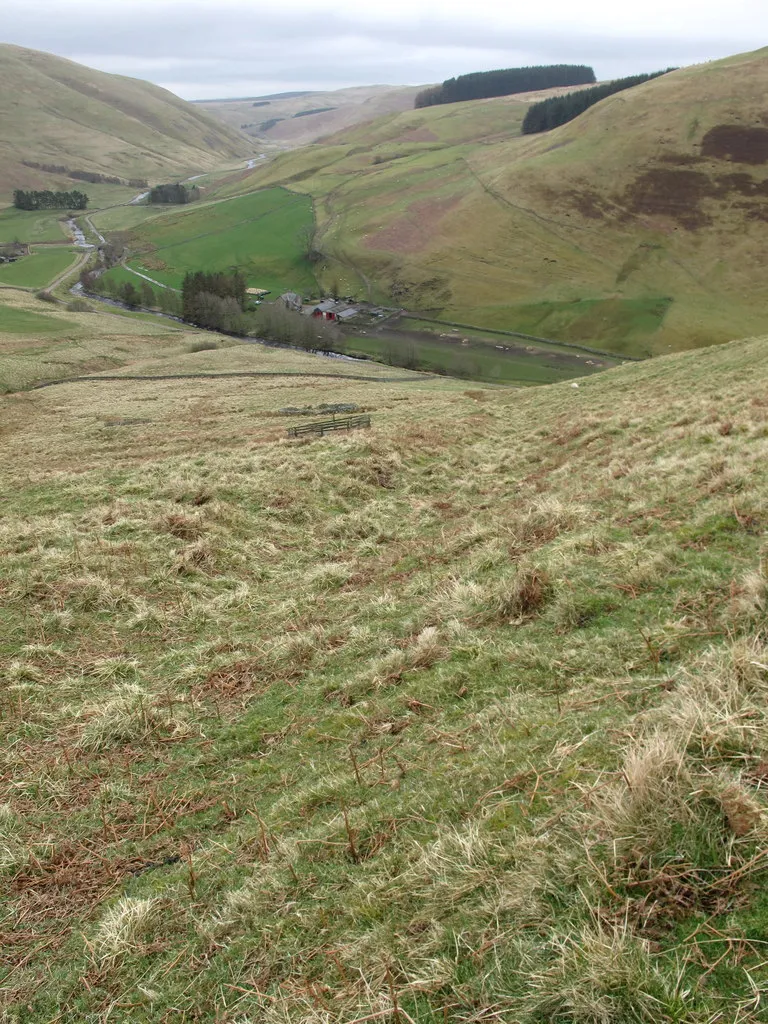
249	99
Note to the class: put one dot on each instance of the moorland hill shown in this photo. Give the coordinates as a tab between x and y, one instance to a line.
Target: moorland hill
639	226
56	112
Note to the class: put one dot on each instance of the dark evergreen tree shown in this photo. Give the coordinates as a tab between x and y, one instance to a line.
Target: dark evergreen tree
129	294
176	194
48	200
214	300
505	82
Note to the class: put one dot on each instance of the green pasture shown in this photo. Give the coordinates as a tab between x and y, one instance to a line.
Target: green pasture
127	217
477	361
38	269
48	225
24	321
259	233
32	225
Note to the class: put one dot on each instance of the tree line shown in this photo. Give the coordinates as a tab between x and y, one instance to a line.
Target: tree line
504	82
218	302
557	110
48	200
176	194
214	300
90	176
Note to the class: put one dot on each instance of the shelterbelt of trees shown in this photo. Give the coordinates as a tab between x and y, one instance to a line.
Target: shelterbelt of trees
482	85
174	194
48	200
557	110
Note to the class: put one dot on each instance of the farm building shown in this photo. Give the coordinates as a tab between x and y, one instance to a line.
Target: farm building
291	301
13	251
330	309
325	310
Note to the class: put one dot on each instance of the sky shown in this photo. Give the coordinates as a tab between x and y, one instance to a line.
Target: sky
201	49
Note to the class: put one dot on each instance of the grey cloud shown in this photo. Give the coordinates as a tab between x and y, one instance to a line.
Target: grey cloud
196	48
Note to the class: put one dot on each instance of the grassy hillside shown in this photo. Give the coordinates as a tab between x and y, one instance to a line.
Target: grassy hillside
458	719
638	227
53	111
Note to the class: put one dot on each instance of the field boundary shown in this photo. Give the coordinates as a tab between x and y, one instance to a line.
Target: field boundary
526	337
112	378
321	426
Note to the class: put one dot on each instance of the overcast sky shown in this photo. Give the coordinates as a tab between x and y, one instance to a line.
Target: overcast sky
214	48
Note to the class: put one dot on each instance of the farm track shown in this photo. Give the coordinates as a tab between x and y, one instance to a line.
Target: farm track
73	268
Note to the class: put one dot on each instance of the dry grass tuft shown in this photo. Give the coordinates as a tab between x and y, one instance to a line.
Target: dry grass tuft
127	927
132	714
422	652
603	975
524	597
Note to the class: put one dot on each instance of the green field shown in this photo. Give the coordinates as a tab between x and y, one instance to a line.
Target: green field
258	232
23	321
476	361
124	218
618	324
38	269
32	226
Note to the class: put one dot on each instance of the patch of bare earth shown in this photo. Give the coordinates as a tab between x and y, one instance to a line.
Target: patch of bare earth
735	143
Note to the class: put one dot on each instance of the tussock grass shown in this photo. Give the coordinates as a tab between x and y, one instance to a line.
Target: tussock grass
126	926
451	719
130	714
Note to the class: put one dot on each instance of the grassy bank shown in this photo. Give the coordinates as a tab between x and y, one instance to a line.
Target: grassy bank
460	718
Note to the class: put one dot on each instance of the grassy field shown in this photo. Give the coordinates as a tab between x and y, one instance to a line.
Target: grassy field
39	268
50	225
590	233
27	226
19	320
461	718
476	359
259	232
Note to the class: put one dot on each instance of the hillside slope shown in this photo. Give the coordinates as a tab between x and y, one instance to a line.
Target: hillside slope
639	226
461	718
53	111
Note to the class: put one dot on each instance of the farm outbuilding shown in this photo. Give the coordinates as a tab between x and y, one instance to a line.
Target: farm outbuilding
330	309
291	301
